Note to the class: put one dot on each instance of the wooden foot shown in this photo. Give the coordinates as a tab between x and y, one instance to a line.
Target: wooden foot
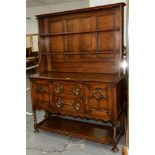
115	149
36	131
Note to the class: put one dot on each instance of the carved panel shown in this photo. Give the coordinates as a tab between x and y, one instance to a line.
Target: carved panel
97	95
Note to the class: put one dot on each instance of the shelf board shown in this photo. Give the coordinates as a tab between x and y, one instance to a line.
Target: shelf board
69	33
81	53
87	131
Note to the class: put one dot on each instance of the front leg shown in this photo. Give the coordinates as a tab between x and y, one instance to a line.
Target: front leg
115	142
35	121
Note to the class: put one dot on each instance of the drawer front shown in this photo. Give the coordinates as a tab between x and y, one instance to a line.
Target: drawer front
68	89
99	101
42	105
41	91
92	99
70	105
68	96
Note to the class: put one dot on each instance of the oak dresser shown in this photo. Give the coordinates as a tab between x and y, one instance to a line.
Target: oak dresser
80	73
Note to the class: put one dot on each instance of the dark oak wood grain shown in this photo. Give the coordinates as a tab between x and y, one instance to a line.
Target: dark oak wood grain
97	133
80	73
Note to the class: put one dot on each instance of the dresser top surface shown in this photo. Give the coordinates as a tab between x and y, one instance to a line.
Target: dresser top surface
90	77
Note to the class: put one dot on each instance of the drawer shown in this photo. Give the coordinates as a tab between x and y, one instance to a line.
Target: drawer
41	91
42	105
68	89
70	105
99	101
68	96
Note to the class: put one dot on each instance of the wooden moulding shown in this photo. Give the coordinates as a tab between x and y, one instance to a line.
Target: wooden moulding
82	10
69	33
87	131
81	53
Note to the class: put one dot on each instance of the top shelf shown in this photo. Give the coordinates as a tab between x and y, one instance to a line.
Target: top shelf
82	10
69	33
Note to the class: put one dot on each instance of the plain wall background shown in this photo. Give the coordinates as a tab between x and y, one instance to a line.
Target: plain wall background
31	25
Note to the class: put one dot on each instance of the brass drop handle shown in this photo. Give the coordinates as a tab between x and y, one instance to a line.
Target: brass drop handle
58	89
41	89
76	106
76	90
59	103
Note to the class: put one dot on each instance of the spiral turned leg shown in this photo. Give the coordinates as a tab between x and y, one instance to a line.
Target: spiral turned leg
35	121
115	148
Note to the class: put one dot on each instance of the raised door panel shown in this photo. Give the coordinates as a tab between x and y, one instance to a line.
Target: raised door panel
73	43
118	17
88	42
83	24
105	22
99	101
57	43
56	26
78	43
87	24
72	25
106	41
